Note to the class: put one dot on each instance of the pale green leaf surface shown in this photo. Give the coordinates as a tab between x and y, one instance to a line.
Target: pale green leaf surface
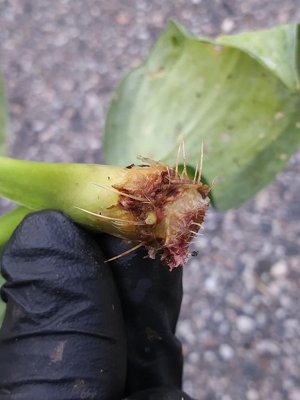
246	115
277	48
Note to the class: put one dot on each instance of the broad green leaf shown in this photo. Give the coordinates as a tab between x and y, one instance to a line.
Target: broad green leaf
242	101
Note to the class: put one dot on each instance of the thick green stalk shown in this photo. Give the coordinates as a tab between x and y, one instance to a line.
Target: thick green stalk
151	204
60	186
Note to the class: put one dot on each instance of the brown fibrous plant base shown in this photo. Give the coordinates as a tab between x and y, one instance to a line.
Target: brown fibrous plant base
169	207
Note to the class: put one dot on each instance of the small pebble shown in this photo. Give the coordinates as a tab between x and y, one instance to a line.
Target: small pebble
245	324
252	394
226	352
185	331
266	347
227	25
279	270
209	356
211	284
123	19
193	357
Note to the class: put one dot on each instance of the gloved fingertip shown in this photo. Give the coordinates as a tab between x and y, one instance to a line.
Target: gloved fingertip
63	330
39	229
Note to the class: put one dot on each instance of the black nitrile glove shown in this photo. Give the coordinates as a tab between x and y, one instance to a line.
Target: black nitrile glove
78	328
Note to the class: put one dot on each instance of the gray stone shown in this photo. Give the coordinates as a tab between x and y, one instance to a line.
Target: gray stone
226	352
279	270
245	324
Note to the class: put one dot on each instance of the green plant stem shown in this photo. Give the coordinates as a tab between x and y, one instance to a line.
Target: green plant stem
62	186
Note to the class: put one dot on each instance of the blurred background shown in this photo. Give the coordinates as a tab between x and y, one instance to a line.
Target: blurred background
61	60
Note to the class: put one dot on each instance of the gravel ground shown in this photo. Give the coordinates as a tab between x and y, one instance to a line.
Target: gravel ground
240	323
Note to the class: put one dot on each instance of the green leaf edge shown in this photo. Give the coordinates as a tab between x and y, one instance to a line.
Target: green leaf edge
295	28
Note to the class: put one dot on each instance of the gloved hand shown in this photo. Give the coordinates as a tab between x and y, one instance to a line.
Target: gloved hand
79	328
